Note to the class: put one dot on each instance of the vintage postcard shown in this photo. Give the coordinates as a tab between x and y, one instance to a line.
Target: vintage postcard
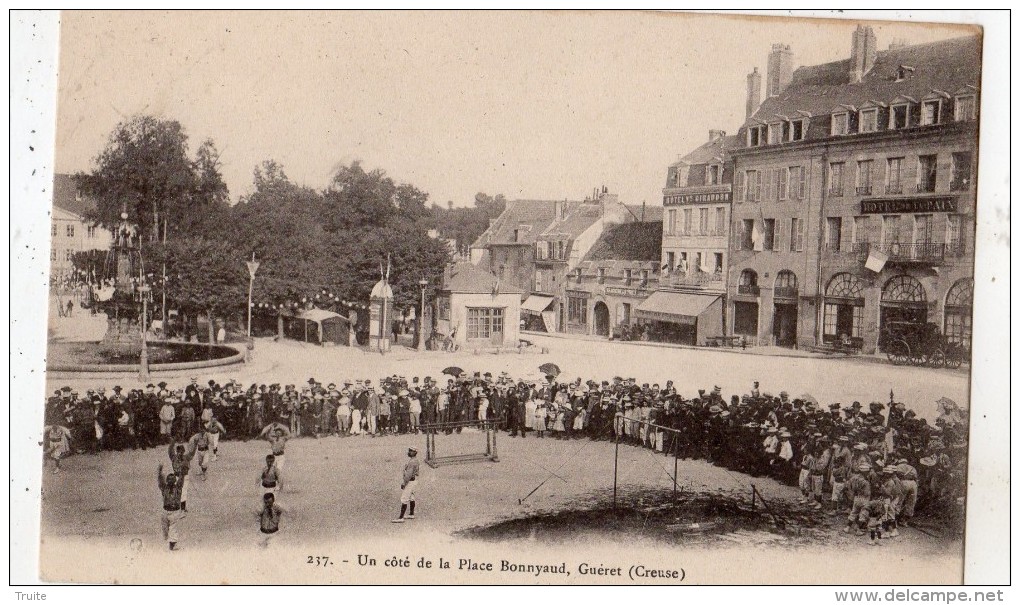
514	298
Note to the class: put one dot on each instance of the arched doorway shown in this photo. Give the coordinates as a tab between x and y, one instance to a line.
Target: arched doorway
903	302
958	313
784	316
601	319
844	309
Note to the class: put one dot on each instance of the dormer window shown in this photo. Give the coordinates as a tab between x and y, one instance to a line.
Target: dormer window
602	275
840	124
899	116
798	129
775	133
966	108
713	174
756	136
577	274
931	112
644	277
903	72
869	120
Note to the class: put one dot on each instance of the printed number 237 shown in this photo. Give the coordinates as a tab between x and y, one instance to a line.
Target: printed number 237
318	561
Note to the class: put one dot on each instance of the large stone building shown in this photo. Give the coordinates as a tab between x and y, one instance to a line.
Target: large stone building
535	244
854	196
695	244
70	231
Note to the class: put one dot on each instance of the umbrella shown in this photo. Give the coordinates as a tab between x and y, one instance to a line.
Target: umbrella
453	371
550	369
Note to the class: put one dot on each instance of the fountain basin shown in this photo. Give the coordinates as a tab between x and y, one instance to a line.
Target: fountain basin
163	356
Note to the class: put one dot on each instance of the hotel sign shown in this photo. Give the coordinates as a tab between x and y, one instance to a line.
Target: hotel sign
618	291
697	198
909	205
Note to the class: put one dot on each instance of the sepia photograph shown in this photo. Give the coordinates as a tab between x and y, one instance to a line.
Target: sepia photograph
528	297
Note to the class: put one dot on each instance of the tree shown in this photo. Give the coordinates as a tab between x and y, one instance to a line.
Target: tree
145	171
207	276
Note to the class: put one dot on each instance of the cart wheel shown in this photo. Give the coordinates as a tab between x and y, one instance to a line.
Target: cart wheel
937	359
918	358
954	358
899	352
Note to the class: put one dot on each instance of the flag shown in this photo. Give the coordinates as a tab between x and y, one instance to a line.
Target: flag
876	260
757	238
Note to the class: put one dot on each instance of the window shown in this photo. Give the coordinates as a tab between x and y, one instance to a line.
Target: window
644	277
628	276
713	174
483	323
68	254
577	275
775	133
70	231
538	281
782	183
864	171
859	237
683	262
966	108
869	120
753	193
671	222
626	313
766	192
718	262
954	234
833	226
836	179
931	112
602	274
796	235
738	187
688	220
92	231
720	221
798	184
746	234
899	116
577	310
797	130
840	124
769	237
927	172
961	171
890	229
703	221
923	224
53	230
550	250
894	175
561	249
756	135
670	260
698	266
53	253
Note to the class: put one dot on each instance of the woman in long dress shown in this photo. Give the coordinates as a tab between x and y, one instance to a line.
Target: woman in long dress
57	444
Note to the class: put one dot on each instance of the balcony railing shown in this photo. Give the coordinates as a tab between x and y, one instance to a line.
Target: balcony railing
693	280
785	292
919	252
749	289
959	185
894	189
864	190
836	191
926	187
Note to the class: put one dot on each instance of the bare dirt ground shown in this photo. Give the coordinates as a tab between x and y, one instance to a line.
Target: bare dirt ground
100	520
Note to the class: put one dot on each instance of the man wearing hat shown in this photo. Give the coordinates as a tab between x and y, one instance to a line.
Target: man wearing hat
842	459
859	492
408	482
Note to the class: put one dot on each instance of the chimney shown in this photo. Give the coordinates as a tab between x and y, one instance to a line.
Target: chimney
715	134
780	70
753	92
558	208
897	43
863	50
449	204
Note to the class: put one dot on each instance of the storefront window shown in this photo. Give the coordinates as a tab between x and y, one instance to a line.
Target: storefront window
482	323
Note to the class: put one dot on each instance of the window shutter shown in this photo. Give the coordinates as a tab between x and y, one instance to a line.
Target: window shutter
767	191
777	237
757	186
739	187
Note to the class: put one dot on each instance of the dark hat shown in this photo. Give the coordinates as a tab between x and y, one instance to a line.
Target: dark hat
834	406
412	450
117	389
161	385
65	389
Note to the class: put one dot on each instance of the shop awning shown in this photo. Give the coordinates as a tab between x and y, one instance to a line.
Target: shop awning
677	307
536	303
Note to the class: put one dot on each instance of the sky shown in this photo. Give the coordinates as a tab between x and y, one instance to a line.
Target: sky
540	105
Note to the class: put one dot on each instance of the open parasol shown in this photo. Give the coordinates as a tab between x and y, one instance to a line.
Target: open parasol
453	371
549	369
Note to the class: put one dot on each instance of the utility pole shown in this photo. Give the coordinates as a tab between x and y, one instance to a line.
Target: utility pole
163	288
143	359
253	266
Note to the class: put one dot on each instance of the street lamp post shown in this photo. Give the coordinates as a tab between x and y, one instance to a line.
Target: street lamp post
143	358
421	318
253	266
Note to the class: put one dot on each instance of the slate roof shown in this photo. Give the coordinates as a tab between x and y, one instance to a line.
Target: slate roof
637	241
708	152
469	279
946	65
531	216
65	196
